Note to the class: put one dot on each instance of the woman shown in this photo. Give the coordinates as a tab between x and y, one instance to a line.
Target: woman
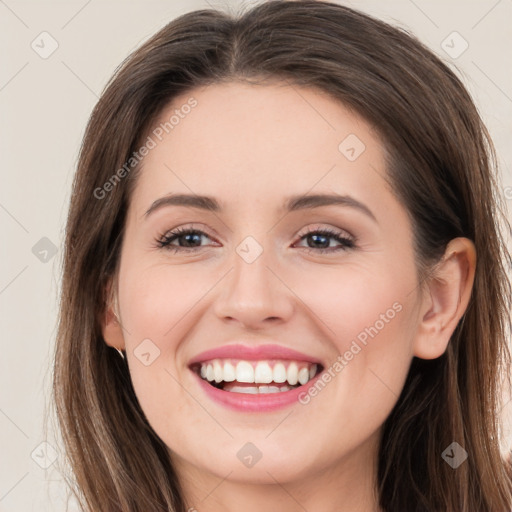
284	282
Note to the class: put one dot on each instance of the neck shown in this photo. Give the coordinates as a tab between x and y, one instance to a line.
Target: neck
347	485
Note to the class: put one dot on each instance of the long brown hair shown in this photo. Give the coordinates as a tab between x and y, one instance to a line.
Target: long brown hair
442	168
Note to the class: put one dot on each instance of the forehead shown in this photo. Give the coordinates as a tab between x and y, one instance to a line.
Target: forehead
241	141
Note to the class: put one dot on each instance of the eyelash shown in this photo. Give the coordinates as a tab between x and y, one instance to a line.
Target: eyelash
346	243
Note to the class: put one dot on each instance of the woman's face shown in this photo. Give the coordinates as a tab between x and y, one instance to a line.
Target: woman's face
261	284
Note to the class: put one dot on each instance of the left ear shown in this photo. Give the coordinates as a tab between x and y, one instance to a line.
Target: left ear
446	297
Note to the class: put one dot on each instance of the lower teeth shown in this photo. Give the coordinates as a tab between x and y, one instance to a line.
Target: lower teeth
255	390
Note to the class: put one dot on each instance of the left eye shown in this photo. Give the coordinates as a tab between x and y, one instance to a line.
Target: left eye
322	236
190	240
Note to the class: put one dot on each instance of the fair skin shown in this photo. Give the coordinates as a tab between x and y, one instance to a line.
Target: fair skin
251	147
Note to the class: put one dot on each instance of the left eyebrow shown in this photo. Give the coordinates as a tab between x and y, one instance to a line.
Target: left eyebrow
293	203
303	202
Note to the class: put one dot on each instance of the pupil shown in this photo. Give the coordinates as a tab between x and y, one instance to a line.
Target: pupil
188	236
316	237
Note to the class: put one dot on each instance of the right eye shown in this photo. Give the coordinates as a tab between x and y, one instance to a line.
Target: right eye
186	236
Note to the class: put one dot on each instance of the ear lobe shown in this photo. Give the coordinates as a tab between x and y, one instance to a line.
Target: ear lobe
110	326
446	298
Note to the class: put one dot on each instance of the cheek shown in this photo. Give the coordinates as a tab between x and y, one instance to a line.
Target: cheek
356	302
368	315
155	300
369	318
158	306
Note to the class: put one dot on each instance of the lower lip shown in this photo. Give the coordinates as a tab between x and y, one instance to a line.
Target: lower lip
264	402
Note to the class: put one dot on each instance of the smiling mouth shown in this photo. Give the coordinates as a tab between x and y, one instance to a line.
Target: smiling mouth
256	377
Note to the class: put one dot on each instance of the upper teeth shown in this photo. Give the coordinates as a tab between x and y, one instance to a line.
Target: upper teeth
258	372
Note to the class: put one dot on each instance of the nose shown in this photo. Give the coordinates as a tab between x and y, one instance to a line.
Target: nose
254	294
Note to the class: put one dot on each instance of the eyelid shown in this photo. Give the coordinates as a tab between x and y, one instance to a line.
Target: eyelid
193	226
322	227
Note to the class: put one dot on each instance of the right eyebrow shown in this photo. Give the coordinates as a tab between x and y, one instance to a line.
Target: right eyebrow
192	201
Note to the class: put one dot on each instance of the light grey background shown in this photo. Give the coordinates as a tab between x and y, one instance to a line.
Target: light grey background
45	104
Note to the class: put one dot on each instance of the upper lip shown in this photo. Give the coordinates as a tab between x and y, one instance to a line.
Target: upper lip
253	353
